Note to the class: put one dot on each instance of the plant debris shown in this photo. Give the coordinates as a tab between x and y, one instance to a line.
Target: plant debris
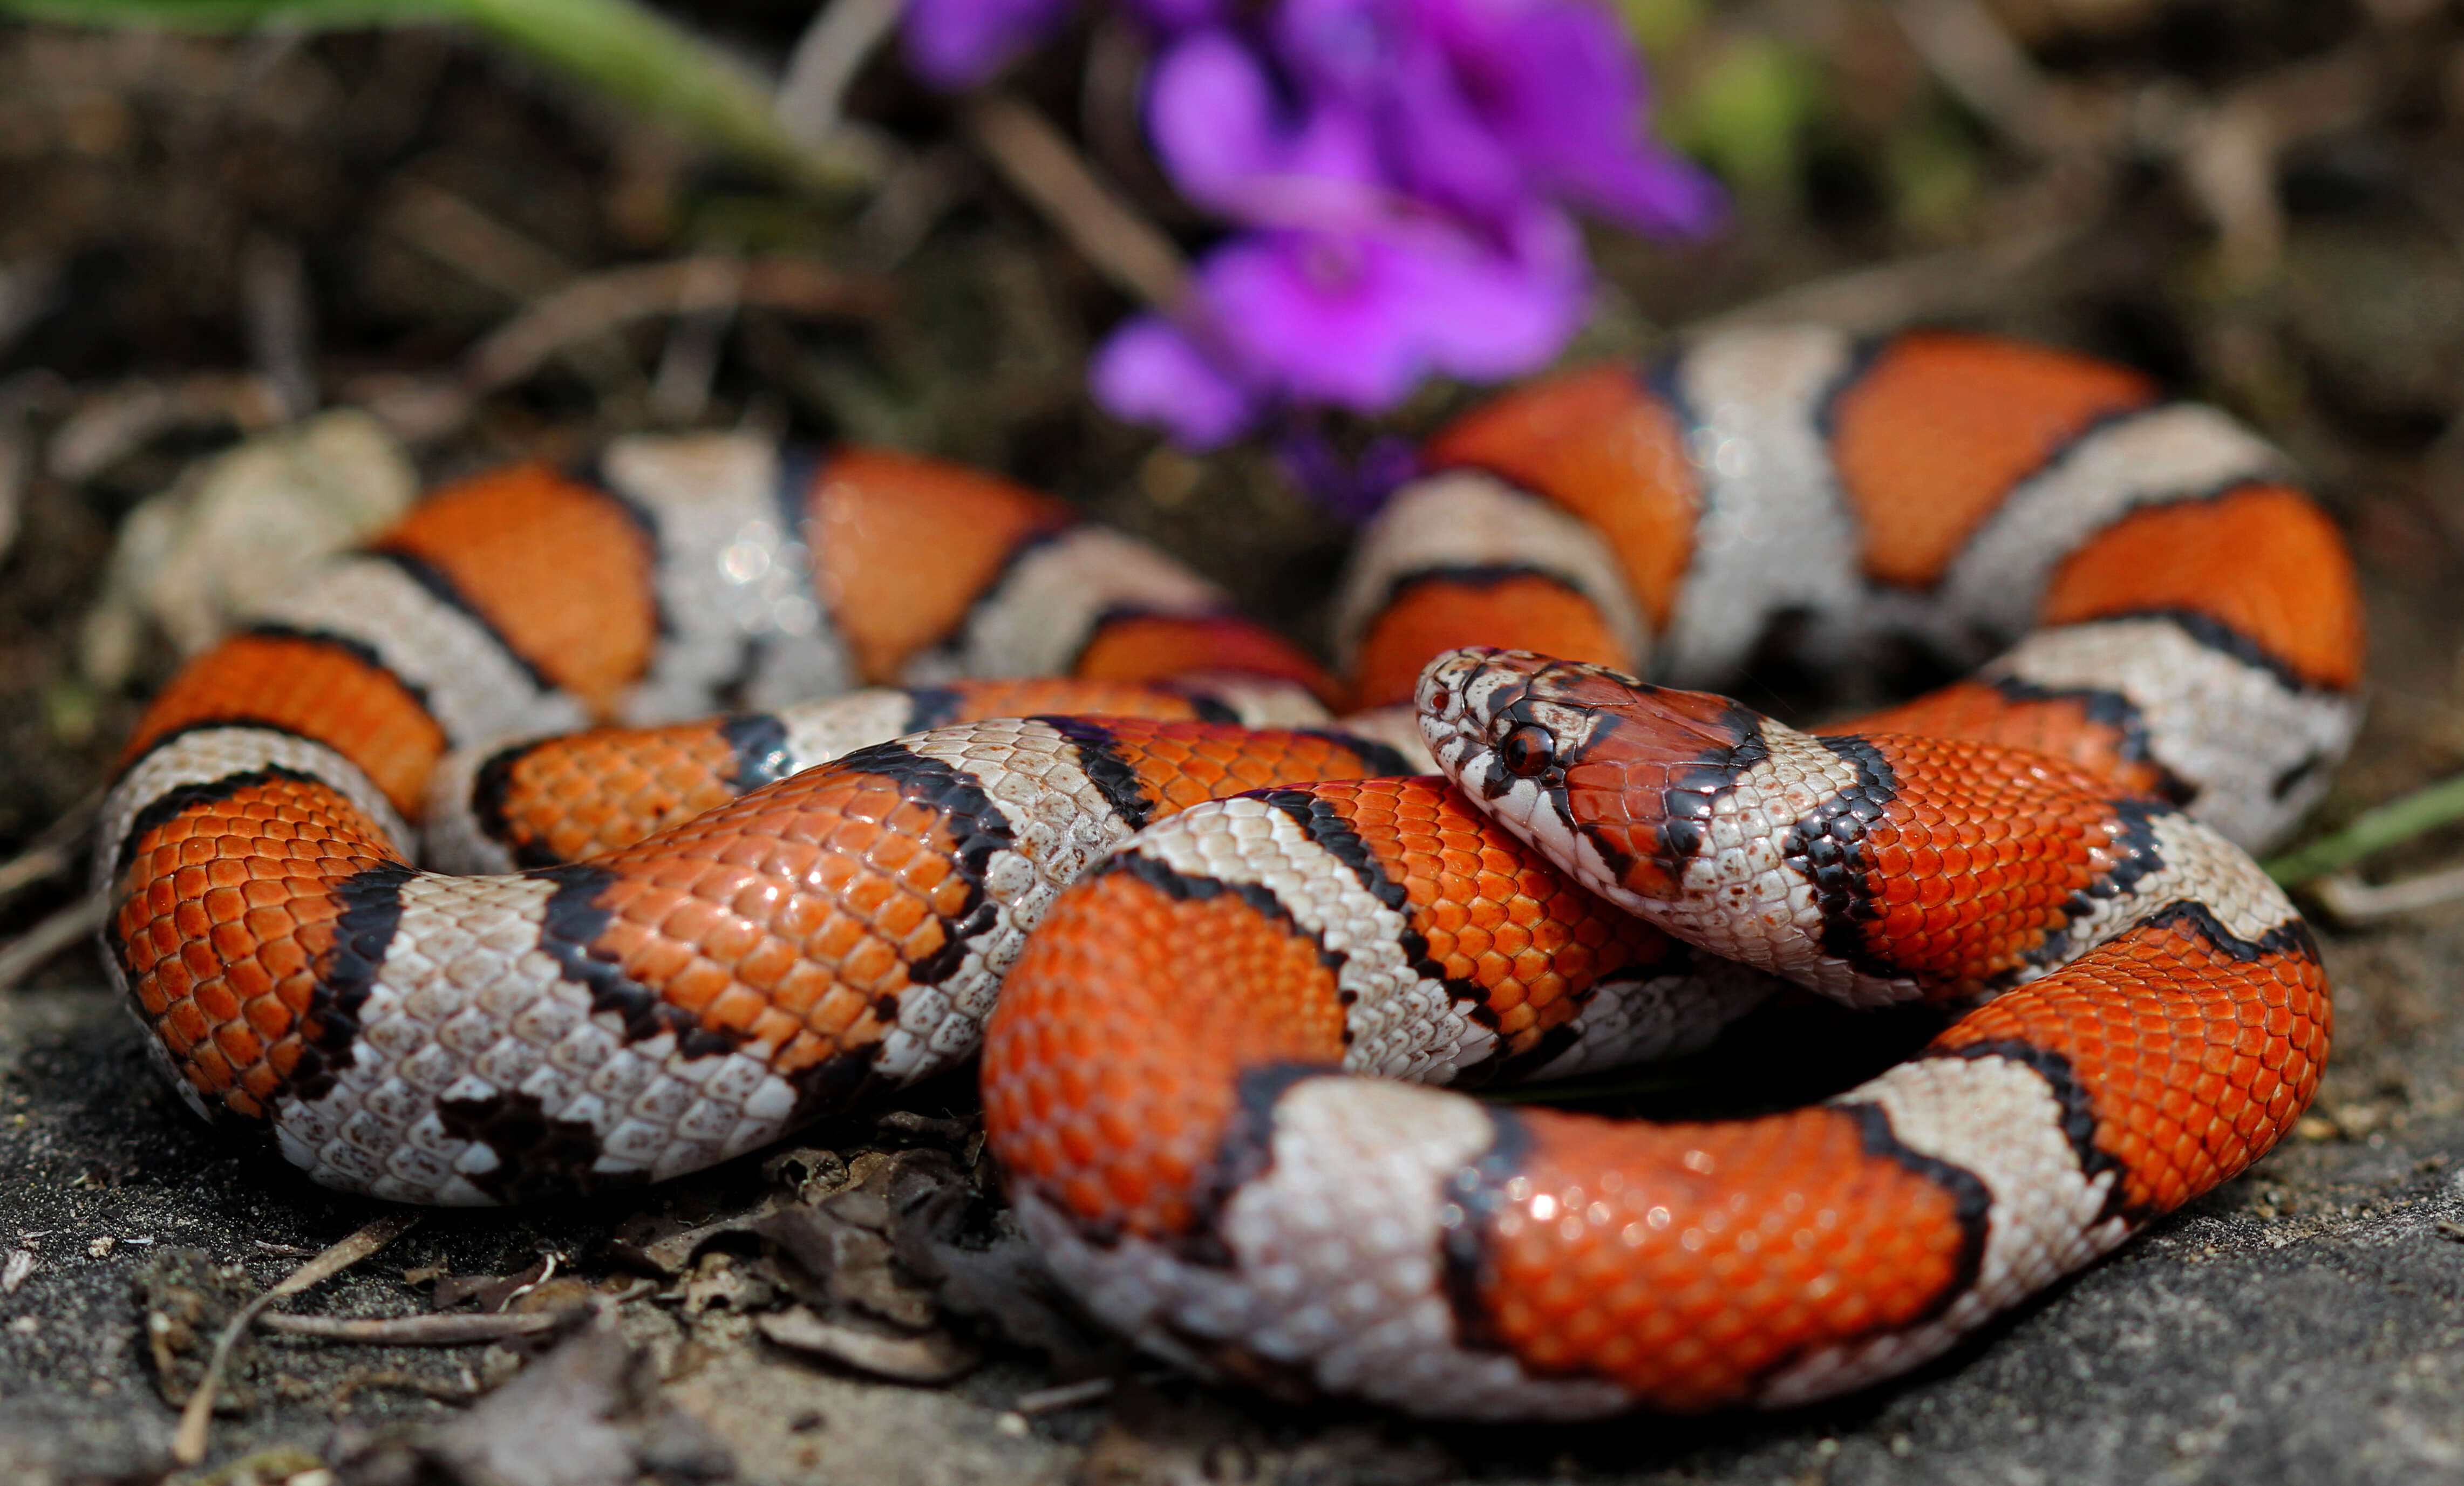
587	1414
189	1301
926	1357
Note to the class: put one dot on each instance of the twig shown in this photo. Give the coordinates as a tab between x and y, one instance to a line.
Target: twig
54	850
280	320
39	862
587	312
472	242
680	388
2397	820
2229	165
110	424
1111	99
833	49
912	199
1034	158
455	1330
26	953
2229	155
358	1383
505	260
1887	296
2348	900
1971	55
189	1446
1060	1397
603	303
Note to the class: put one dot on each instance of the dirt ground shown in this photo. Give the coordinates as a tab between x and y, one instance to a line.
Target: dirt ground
208	237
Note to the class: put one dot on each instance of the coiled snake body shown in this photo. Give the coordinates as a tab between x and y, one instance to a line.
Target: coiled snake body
687	937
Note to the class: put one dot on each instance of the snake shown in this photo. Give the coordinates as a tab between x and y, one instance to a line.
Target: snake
596	825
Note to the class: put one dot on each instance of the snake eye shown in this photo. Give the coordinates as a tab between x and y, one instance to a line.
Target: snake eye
1528	750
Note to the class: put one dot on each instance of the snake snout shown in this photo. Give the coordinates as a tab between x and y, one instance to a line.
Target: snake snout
1592	765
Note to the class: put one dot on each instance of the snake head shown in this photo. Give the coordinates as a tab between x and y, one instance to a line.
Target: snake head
1612	778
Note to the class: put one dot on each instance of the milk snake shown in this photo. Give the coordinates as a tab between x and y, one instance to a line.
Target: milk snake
693	937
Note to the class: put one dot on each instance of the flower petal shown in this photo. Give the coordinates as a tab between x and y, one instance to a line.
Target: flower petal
1499	315
1233	145
1559	84
1355	319
1482	107
1651	192
1149	372
1214	118
1443	150
1317	314
1342	49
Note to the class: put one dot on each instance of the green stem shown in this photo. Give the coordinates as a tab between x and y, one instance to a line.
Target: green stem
644	60
619	47
2397	820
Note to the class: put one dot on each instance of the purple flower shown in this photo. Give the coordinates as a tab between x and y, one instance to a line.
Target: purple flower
958	43
1399	170
1236	144
1356	318
1353	488
1349	317
1151	372
1481	104
1562	87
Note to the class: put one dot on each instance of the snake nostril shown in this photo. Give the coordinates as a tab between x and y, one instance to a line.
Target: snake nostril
1440	699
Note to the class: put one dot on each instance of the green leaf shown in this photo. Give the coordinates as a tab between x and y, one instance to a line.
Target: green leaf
624	50
2391	824
1659	26
1748	112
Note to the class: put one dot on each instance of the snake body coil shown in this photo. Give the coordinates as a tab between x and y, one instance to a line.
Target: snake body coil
697	934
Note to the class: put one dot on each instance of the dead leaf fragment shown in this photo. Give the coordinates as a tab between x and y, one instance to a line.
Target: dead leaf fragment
189	1299
665	1243
846	1260
935	1357
489	1292
587	1414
